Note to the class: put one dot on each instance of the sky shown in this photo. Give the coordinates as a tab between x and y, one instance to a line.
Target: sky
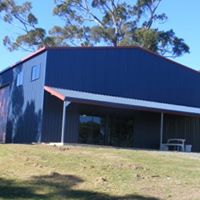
183	18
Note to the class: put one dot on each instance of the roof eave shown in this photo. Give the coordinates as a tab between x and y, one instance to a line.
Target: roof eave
39	51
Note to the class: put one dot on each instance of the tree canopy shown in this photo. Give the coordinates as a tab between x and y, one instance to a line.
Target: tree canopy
94	23
31	37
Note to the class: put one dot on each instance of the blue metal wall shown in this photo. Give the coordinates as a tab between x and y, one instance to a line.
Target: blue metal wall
25	102
125	72
147	130
52	119
183	127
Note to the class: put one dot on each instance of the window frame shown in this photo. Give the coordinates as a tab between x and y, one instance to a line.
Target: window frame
35	72
20	79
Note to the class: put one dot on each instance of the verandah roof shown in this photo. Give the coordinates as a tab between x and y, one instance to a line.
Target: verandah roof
120	102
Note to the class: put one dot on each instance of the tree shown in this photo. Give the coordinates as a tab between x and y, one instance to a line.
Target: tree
116	23
31	37
100	22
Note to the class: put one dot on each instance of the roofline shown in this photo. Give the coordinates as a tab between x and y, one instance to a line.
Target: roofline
43	49
39	51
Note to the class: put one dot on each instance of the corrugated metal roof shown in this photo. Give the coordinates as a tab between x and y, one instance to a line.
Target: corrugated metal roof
121	102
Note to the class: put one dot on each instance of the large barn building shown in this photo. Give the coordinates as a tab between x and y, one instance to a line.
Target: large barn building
126	97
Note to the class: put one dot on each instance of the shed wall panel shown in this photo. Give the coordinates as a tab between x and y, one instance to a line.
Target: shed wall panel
72	125
184	127
52	119
124	72
147	130
25	101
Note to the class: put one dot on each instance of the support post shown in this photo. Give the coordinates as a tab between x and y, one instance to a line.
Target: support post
63	122
107	141
161	129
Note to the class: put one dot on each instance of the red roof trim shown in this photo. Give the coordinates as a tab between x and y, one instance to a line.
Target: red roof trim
33	54
54	93
25	59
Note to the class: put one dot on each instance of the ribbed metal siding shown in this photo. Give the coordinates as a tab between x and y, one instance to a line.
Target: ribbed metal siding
132	73
6	78
72	125
52	119
147	130
183	127
25	102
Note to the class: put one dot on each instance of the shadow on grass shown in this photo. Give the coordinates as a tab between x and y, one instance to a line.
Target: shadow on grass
55	186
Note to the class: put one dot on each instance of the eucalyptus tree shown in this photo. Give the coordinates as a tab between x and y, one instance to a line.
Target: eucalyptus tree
94	23
29	36
116	23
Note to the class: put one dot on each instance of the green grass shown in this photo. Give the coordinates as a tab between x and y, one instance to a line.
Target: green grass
82	173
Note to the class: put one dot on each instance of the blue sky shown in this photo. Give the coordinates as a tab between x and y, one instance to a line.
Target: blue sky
183	18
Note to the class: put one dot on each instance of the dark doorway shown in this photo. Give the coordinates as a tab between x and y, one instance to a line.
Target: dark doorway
121	132
92	129
4	93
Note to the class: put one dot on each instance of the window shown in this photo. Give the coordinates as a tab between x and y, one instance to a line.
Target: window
20	79
35	72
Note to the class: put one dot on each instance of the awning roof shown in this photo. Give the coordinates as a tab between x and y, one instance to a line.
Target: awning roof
120	102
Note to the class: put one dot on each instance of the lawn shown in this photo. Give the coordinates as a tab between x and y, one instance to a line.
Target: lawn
84	173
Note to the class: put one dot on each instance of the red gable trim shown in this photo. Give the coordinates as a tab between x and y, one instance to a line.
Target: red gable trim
41	50
54	93
33	54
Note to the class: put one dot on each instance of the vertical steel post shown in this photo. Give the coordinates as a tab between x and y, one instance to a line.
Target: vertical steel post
161	129
107	141
63	122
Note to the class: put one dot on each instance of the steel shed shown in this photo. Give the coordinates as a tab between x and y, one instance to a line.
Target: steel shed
111	96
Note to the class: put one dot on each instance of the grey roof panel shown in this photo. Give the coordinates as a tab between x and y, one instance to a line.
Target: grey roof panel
85	97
